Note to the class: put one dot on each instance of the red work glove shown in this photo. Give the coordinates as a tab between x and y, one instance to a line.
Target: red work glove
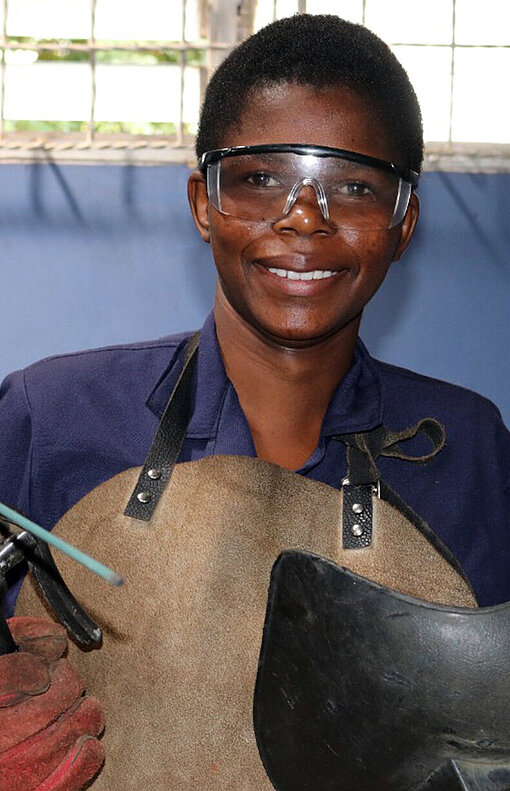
47	725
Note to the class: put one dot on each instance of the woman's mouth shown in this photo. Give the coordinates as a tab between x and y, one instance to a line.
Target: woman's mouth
314	274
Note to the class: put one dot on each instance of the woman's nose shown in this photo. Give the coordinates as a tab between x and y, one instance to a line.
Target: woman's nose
305	212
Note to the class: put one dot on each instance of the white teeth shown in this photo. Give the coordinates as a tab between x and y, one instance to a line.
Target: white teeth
315	274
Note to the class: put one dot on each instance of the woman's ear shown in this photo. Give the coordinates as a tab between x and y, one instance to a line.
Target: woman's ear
408	226
199	204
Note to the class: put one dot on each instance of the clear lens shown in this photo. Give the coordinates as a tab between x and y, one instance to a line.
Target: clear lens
264	188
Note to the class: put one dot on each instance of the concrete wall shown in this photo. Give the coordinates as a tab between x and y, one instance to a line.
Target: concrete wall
95	255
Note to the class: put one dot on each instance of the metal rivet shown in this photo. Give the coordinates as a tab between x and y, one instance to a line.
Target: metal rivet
346	481
357	508
144	497
154	473
357	530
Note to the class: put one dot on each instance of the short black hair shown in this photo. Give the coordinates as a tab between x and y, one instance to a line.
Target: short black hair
321	51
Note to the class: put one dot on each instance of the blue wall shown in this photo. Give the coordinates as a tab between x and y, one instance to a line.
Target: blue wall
95	255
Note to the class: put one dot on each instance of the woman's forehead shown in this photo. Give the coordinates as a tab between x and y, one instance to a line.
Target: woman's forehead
333	116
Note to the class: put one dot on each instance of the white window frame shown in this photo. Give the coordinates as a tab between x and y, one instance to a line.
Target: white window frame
223	23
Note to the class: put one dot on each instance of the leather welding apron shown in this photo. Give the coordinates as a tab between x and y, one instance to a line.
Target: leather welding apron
177	669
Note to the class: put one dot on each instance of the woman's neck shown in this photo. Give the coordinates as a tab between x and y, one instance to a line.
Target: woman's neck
284	391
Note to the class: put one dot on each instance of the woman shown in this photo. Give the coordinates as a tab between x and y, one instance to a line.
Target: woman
310	146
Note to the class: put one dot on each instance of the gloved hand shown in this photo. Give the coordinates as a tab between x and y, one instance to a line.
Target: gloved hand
47	725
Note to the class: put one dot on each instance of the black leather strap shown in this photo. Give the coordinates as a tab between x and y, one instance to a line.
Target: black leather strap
363	475
363	449
167	443
357	516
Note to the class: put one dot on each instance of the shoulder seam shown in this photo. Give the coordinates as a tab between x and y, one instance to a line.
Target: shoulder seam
459	389
171	343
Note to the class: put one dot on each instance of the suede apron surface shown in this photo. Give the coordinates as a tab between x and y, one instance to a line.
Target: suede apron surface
181	640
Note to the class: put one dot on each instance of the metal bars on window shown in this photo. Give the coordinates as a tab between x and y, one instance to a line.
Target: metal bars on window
217	32
191	56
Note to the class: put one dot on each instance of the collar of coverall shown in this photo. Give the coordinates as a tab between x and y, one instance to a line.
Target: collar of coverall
356	405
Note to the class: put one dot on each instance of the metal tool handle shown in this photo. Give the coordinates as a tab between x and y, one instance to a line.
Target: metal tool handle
24	547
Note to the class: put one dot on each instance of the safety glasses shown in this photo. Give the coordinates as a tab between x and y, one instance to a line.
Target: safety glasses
262	183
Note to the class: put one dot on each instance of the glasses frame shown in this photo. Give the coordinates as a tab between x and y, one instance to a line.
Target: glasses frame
211	157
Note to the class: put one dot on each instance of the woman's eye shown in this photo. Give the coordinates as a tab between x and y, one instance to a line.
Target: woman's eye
355	189
262	180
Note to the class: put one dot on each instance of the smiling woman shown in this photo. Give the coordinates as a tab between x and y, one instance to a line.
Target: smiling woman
277	428
319	313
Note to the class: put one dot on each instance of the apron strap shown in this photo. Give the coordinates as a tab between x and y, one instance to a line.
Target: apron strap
167	444
364	449
363	479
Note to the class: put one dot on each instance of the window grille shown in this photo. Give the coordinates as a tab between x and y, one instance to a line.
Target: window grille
457	53
57	91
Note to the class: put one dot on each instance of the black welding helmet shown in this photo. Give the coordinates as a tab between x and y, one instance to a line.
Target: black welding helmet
361	688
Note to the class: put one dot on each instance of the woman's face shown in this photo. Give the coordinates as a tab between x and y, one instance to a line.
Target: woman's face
286	310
